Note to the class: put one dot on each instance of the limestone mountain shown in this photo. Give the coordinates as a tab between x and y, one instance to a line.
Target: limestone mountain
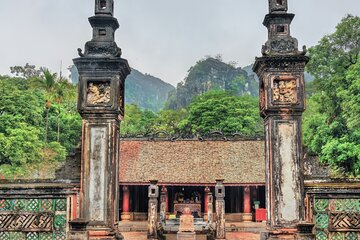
146	91
212	73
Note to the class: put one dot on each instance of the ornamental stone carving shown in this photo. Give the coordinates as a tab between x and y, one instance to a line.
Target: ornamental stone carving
284	45
26	221
284	90
98	93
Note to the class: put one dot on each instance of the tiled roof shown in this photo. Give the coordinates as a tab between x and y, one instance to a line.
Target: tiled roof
191	161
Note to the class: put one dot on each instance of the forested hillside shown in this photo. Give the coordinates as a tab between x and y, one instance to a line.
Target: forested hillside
146	91
212	74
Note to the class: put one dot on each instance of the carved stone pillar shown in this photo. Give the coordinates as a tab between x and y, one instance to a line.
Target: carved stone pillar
247	216
210	207
206	202
153	194
125	215
163	204
101	93
282	102
220	209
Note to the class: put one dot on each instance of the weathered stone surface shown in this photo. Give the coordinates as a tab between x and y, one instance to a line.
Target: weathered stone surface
153	194
84	235
186	221
281	76
186	236
101	92
220	209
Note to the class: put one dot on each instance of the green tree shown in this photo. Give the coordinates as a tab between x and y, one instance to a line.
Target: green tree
169	120
137	121
27	71
22	121
331	128
220	110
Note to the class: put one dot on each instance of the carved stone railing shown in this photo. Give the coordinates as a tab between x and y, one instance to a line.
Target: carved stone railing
337	218
32	211
334	207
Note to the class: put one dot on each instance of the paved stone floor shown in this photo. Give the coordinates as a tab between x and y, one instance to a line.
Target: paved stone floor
235	231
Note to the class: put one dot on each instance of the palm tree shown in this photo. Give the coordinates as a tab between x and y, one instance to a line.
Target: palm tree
48	83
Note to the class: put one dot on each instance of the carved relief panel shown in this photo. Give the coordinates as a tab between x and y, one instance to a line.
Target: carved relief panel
98	93
284	89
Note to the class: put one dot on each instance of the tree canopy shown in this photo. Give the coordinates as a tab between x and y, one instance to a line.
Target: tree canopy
331	124
39	124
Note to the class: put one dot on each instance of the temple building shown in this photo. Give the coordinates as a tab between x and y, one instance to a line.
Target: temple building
186	171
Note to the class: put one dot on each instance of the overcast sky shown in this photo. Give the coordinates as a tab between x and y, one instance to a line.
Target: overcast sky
161	37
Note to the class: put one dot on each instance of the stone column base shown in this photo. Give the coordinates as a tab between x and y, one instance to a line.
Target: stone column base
305	236
186	236
78	230
77	235
247	217
305	231
279	234
103	234
125	216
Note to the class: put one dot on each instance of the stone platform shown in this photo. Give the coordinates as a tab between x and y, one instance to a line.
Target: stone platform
234	231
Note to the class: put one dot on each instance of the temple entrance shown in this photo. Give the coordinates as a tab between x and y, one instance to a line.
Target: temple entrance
243	203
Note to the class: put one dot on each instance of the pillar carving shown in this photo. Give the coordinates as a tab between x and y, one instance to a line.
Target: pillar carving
282	102
153	193
102	74
220	209
210	207
163	205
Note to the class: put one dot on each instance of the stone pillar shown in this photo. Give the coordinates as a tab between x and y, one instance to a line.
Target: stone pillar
125	215
163	204
206	203
220	209
153	194
247	215
282	102
102	74
210	207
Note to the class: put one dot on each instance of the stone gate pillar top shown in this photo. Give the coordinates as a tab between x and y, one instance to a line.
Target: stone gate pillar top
104	7
278	6
219	188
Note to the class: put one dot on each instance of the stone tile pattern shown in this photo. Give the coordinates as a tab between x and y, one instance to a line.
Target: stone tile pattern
33	219
192	161
337	218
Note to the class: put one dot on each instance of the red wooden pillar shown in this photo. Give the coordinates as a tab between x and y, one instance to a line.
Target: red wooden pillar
125	215
247	216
